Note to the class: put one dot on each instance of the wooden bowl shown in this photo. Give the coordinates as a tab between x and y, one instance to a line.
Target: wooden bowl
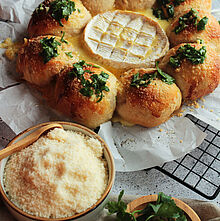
141	203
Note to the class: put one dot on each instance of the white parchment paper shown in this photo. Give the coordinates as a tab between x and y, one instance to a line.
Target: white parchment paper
133	148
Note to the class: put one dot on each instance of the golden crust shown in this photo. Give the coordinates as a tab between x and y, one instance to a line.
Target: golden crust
30	64
210	35
147	106
42	23
85	110
205	5
194	81
134	4
95	7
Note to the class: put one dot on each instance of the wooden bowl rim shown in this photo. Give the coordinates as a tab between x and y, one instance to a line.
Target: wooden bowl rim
152	198
90	209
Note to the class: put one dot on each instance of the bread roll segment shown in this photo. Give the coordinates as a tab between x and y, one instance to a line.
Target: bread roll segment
147	106
42	23
194	81
95	7
134	4
31	66
210	35
85	110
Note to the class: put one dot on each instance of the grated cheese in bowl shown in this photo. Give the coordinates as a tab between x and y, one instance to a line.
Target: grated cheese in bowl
63	173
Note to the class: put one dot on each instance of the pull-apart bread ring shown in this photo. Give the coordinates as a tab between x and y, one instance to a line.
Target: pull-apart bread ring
133	4
145	99
42	57
193	25
86	93
196	69
95	7
53	16
125	40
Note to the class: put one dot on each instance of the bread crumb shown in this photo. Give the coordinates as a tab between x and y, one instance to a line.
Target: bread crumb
160	130
203	106
181	141
211	110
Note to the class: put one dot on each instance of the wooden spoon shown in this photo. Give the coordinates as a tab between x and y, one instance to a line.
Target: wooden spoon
27	140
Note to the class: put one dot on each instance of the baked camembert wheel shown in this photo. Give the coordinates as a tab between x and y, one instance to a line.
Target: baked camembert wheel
125	40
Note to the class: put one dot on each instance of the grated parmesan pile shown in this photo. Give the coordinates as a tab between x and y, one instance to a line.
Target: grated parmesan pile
61	174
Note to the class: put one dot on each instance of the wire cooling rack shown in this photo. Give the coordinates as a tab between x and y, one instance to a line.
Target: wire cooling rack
200	169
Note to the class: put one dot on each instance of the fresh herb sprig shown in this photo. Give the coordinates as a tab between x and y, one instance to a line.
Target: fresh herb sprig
62	37
95	85
60	9
190	53
164	208
191	18
144	80
49	48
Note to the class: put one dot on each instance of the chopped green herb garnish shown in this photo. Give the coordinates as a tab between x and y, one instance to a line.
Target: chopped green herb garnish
62	37
164	76
144	80
163	209
190	53
166	8
69	54
95	85
191	18
60	9
78	10
202	23
49	48
200	41
219	22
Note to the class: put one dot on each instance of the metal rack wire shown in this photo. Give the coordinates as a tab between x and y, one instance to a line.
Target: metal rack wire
200	169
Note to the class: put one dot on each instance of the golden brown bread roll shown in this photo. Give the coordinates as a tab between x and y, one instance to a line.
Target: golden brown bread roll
205	5
31	61
95	7
194	80
148	105
81	101
134	4
210	34
48	19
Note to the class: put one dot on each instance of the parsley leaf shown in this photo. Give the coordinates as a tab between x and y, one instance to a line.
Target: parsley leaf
69	54
62	37
190	53
202	23
60	9
49	48
95	85
191	18
164	76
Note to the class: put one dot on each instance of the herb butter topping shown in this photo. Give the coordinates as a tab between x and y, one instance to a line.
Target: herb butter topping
49	48
166	8
190	53
144	80
96	84
191	19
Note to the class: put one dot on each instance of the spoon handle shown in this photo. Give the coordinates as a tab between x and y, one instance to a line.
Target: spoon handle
26	141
